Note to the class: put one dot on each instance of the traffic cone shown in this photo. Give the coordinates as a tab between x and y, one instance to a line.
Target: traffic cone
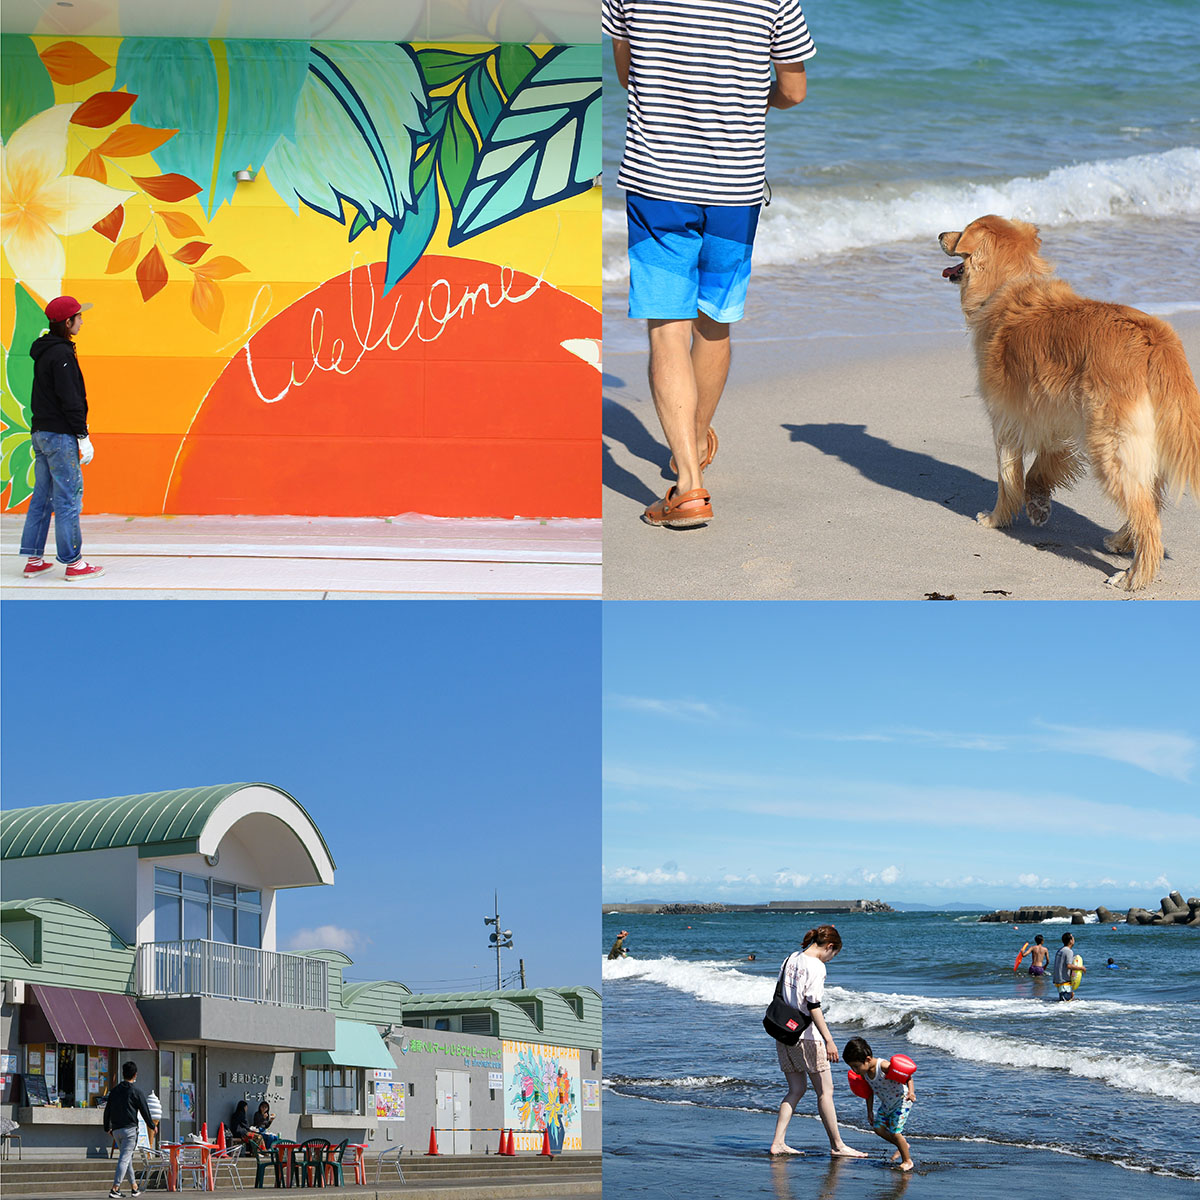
512	1149
221	1136
546	1144
432	1142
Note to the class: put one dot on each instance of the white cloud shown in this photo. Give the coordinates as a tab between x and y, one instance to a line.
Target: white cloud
637	876
686	710
327	937
790	879
1171	755
1032	881
889	875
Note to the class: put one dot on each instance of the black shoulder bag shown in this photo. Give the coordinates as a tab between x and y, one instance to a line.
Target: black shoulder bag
783	1022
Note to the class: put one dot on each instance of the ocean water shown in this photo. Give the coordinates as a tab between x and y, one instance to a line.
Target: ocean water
923	114
1002	1065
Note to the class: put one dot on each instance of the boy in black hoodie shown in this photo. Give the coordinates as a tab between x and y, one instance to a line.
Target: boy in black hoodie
61	445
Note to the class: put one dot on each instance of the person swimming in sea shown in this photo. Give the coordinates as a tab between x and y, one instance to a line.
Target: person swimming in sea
1039	956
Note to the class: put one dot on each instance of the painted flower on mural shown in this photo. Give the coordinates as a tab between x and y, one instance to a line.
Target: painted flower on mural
544	1098
39	205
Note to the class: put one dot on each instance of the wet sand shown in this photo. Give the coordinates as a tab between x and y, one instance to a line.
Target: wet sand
653	1149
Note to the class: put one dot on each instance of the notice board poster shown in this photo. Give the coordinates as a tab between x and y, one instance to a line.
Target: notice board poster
389	1101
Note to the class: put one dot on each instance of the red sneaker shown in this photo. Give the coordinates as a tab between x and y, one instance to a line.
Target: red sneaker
84	570
34	569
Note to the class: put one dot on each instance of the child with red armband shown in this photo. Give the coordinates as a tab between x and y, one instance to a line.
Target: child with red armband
892	1087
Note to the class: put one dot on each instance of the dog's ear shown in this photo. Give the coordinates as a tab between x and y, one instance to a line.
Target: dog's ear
971	238
1032	233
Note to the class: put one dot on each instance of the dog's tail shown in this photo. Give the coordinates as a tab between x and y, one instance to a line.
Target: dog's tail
1177	415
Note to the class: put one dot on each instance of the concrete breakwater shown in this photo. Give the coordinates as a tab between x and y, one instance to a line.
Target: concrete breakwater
1173	910
692	908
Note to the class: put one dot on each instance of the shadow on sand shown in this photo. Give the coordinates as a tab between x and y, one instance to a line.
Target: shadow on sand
1068	535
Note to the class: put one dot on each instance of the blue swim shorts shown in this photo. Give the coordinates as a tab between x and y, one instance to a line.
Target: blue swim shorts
894	1120
686	259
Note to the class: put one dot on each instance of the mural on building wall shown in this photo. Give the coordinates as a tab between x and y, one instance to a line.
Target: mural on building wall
396	309
541	1092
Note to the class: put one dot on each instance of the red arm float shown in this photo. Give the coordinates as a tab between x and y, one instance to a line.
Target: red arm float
900	1068
858	1085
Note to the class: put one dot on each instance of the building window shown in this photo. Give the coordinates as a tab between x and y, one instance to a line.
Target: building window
191	906
76	1076
333	1090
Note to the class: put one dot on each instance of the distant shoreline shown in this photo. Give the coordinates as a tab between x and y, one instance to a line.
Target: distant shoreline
689	907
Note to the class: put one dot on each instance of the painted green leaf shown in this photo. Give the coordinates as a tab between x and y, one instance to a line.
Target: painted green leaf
513	63
16	382
407	243
483	100
360	112
439	67
435	118
25	87
457	156
230	100
545	146
359	223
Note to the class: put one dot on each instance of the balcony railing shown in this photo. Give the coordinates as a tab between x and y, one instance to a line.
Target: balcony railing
203	968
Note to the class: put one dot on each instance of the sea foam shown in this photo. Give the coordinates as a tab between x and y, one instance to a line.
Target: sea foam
812	223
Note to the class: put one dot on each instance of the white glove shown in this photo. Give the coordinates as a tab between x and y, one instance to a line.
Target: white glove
86	451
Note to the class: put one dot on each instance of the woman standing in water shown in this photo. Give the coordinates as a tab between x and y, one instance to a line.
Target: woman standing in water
809	1058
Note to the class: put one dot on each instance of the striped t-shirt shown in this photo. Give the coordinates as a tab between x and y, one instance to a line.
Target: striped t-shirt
699	78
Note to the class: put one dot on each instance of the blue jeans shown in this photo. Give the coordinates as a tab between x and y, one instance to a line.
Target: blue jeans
127	1135
57	489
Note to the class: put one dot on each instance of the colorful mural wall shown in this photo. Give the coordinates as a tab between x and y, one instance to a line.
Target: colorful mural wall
395	310
542	1093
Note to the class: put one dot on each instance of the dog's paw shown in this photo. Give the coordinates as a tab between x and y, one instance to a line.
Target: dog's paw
1117	580
1037	505
988	520
1118	543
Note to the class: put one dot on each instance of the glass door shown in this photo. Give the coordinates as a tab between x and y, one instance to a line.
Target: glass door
178	1092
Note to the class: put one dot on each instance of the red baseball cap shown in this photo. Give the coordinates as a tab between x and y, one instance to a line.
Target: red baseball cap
64	308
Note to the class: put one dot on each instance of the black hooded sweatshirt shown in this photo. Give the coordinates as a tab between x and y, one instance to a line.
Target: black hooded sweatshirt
59	401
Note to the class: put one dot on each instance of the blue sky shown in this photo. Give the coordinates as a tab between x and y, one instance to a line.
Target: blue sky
920	753
445	750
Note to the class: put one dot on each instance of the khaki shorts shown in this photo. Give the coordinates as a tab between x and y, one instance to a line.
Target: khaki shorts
809	1058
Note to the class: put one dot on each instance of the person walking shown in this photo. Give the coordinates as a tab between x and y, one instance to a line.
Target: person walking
126	1102
61	446
698	74
803	976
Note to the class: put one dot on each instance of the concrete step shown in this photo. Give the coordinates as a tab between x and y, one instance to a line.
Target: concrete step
444	1178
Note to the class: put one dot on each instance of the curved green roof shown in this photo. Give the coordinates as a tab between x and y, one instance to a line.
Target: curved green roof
172	819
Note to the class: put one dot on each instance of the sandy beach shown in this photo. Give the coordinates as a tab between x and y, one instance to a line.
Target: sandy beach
853	467
709	1153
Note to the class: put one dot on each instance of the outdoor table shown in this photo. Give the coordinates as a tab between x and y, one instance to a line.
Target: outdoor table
173	1149
358	1150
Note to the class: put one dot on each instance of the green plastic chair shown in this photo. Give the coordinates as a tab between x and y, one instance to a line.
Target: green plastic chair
313	1167
333	1162
279	1157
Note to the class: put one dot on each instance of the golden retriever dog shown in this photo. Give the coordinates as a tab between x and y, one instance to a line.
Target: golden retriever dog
1069	380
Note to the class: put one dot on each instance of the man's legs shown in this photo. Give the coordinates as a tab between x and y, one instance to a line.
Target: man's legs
710	369
61	454
676	392
126	1141
37	519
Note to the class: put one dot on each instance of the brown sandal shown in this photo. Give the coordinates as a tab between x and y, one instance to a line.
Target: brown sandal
710	452
668	510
